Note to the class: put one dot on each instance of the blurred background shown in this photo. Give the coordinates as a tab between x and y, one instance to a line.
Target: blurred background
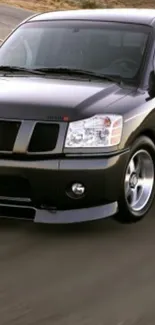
75	4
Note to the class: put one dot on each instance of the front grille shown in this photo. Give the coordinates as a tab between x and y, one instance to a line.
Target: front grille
44	137
8	133
14	187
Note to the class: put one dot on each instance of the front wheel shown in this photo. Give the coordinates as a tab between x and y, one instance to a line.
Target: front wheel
138	182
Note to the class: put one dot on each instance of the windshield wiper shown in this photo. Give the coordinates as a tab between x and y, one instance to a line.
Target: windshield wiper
61	70
7	68
80	72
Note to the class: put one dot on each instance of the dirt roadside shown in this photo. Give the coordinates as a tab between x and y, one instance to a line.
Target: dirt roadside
45	5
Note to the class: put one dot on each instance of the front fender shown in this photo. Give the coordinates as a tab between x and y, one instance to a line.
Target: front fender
137	121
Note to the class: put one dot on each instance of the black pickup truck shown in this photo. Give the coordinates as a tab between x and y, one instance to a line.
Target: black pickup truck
77	116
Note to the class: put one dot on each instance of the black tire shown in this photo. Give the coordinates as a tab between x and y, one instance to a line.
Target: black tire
126	214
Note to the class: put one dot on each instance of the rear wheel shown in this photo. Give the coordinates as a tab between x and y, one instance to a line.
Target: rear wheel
138	182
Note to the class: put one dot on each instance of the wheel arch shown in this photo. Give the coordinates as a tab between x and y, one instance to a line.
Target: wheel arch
147	133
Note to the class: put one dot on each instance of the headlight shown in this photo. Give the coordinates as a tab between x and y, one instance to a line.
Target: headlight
94	132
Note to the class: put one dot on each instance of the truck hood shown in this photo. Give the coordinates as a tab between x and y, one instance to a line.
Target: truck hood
39	98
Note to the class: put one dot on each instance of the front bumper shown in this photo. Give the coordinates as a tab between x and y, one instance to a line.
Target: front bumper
42	187
58	216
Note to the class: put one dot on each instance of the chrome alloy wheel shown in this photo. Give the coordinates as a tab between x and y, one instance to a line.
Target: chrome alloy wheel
139	181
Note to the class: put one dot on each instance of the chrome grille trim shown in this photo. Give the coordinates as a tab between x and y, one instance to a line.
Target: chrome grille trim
23	137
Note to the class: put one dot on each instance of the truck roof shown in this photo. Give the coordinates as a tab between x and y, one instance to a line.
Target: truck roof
124	15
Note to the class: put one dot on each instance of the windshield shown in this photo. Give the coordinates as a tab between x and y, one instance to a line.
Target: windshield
105	48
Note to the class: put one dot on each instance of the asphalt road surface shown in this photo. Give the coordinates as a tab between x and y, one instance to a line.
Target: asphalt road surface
96	274
10	17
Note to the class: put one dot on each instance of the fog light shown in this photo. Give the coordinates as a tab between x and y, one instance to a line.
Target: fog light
78	189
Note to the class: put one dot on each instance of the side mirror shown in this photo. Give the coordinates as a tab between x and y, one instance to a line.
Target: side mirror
151	89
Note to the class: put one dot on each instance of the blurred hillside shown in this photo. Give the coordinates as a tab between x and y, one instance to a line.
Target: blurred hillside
46	5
